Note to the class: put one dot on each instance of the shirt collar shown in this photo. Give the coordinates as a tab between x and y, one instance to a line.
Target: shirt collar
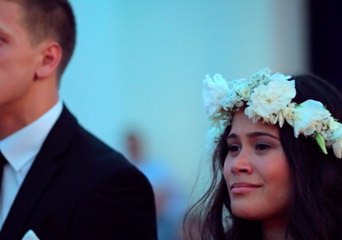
23	145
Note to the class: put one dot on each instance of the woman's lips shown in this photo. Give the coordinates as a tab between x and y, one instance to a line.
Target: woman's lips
242	187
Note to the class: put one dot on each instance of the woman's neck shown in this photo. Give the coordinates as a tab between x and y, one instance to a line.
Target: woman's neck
275	230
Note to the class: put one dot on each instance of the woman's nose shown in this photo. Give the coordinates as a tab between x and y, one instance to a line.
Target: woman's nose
241	163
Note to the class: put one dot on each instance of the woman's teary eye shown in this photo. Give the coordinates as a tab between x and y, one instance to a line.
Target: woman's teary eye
233	148
262	146
2	41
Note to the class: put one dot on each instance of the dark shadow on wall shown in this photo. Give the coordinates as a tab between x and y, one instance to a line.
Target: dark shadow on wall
325	23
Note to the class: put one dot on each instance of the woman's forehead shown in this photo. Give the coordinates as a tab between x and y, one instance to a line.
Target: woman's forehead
241	124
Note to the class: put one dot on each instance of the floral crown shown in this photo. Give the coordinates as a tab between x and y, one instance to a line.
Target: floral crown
268	98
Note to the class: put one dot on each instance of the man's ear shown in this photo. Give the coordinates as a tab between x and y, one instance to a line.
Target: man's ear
49	60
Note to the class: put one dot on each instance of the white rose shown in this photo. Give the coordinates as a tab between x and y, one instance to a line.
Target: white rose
309	116
214	93
270	99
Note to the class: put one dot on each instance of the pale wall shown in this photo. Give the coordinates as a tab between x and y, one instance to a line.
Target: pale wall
141	63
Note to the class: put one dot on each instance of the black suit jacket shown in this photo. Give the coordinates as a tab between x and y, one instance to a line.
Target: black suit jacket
79	188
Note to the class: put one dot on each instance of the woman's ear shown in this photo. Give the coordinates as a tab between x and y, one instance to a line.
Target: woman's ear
49	60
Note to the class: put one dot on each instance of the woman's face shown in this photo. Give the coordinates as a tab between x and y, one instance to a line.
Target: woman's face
256	171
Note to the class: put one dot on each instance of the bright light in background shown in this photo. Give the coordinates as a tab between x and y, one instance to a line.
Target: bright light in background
141	64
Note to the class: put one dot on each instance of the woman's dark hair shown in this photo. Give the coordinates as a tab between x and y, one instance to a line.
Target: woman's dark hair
315	210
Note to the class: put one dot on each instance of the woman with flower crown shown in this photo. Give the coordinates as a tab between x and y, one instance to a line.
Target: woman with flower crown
277	167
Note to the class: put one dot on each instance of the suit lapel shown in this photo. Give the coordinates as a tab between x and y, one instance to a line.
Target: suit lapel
44	168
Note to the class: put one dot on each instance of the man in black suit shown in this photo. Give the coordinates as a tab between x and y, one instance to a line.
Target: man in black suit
58	181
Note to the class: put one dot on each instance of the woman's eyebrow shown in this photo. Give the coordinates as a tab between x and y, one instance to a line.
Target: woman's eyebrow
253	134
256	134
232	136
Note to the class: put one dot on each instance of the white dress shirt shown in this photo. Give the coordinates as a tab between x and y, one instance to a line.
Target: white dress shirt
20	150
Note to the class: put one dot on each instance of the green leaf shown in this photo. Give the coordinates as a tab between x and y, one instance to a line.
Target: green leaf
321	143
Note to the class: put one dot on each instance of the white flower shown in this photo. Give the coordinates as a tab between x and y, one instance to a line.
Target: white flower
242	88
337	147
288	113
310	117
336	129
214	93
261	77
269	100
335	139
231	98
279	76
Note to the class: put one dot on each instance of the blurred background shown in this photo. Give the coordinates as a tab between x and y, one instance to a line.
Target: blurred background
139	65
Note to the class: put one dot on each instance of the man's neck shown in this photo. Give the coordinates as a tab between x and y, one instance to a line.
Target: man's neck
11	121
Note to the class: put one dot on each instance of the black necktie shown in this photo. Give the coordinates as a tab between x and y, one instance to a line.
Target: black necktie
3	161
